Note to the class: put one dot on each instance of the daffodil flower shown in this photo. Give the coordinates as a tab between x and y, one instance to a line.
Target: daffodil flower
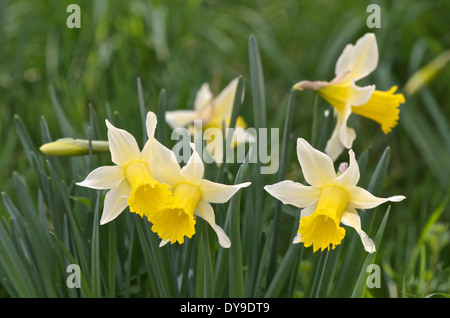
191	193
330	199
130	181
213	112
356	62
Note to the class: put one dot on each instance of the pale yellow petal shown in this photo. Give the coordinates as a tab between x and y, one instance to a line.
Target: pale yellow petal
102	178
344	62
194	169
150	124
223	103
360	95
203	98
181	118
360	198
317	167
364	56
214	192
351	218
350	177
163	164
122	145
334	146
115	202
297	194
206	212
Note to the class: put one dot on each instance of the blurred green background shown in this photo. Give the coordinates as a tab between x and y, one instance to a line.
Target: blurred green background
178	45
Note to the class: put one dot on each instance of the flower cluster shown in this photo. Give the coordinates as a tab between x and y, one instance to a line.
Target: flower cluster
152	184
332	198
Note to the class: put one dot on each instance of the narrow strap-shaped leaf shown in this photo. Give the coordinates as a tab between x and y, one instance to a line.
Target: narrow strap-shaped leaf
96	282
257	83
235	259
281	174
84	284
63	122
204	286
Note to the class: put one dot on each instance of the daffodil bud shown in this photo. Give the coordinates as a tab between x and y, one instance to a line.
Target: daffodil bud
73	147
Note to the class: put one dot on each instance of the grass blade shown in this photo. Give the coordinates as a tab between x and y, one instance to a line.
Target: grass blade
361	283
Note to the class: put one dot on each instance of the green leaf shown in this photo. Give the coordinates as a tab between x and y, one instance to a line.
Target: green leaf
204	285
84	284
235	257
257	83
285	147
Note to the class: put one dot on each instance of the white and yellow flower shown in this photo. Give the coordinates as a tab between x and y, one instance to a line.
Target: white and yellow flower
191	193
213	112
130	181
330	199
356	62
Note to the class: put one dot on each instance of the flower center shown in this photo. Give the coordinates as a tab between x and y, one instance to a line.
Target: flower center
177	219
321	228
147	195
382	107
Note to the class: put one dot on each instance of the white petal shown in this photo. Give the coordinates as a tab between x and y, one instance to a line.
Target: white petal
102	178
206	212
145	151
219	193
350	177
163	164
223	103
344	62
334	145
364	56
180	118
203	98
294	193
150	124
193	170
164	242
360	198
351	218
115	202
317	167
360	95
346	134
122	145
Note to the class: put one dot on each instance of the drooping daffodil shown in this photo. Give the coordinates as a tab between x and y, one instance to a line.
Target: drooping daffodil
330	199
192	196
130	181
355	62
212	112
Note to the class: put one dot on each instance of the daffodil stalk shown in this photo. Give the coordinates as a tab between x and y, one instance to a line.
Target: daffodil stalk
356	62
330	199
